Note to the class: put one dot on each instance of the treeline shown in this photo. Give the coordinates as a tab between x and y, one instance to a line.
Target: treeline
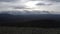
34	23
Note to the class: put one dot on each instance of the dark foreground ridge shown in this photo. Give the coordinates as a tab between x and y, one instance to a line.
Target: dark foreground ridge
43	20
34	23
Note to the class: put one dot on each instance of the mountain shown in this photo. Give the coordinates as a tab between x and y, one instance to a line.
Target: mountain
25	12
19	19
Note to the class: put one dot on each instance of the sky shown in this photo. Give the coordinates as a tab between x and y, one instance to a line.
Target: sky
30	5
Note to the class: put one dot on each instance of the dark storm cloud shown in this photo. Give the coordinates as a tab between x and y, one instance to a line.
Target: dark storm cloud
7	0
42	4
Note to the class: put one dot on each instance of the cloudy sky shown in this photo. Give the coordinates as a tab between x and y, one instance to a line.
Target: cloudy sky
30	5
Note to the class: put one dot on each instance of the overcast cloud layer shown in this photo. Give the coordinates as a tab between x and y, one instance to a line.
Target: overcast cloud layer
30	5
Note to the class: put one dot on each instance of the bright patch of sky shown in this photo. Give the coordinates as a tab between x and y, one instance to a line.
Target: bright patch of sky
30	5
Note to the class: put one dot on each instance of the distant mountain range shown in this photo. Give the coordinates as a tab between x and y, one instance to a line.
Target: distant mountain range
27	15
17	17
25	12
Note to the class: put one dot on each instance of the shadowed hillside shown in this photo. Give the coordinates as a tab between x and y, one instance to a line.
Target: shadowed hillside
42	20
